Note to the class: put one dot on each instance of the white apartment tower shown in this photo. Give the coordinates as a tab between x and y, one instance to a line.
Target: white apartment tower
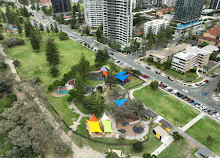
93	10
118	20
155	25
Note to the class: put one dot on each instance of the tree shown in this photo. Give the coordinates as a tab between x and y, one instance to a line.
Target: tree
150	60
56	30
33	6
99	33
79	88
63	36
134	108
80	17
203	44
95	104
111	81
111	155
102	56
25	12
38	7
73	22
20	30
35	39
1	36
177	136
51	27
27	28
84	67
154	85
41	27
86	30
209	140
47	29
167	65
54	71
52	52
138	146
16	63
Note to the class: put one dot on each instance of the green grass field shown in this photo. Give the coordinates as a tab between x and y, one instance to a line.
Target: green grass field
166	105
202	129
133	82
35	64
189	75
179	149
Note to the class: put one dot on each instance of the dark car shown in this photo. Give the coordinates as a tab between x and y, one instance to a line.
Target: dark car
164	86
177	93
111	53
148	68
169	90
157	72
205	93
184	97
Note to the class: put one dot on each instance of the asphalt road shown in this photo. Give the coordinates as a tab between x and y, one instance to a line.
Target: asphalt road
194	93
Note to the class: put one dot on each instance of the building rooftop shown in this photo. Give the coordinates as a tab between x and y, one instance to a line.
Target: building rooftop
156	21
159	130
150	113
166	10
215	31
204	152
210	48
197	50
185	55
208	39
169	51
166	124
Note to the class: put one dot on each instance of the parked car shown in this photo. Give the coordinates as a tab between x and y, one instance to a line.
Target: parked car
167	88
164	87
111	53
157	72
185	91
174	91
161	85
147	67
178	93
144	75
206	81
205	93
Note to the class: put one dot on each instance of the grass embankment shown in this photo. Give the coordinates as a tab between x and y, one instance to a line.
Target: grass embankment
180	149
204	128
167	106
35	65
189	76
133	81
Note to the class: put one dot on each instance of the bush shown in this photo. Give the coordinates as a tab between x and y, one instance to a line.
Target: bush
137	72
1	36
72	92
154	85
16	63
69	98
11	42
51	87
3	66
138	146
150	60
193	70
54	71
63	36
56	83
12	97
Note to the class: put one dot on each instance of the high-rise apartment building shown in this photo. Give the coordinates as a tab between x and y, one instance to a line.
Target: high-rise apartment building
214	4
61	6
93	10
155	25
118	20
188	10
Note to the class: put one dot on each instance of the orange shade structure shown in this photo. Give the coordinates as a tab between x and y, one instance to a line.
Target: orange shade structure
93	118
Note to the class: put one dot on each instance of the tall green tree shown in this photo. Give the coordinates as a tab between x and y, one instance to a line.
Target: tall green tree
52	52
102	56
35	39
27	28
84	67
154	85
56	30
79	87
41	27
51	27
20	30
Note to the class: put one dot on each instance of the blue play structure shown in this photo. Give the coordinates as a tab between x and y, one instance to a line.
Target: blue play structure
121	76
62	92
120	103
13	28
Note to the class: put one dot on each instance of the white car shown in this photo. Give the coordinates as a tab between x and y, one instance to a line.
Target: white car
167	88
185	91
174	91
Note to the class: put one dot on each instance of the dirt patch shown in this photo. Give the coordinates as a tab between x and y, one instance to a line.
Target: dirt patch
129	128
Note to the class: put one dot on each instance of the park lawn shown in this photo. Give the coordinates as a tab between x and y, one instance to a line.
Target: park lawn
62	107
190	76
35	64
166	105
82	127
202	129
133	82
92	83
180	149
81	108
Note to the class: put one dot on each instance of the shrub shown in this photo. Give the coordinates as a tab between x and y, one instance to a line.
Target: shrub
137	72
51	87
11	42
154	85
54	71
63	36
69	98
193	70
16	63
56	83
12	97
138	146
72	92
3	66
1	36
